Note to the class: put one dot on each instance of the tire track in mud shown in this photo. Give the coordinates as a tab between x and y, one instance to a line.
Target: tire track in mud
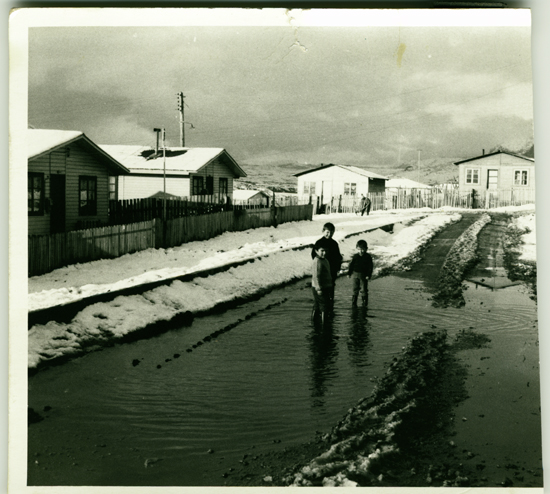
433	258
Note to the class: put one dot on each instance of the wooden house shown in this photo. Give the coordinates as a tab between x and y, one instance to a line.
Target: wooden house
68	181
251	197
503	175
193	173
328	181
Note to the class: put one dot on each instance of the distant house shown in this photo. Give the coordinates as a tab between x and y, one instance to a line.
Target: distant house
405	183
328	181
196	173
68	181
251	197
495	173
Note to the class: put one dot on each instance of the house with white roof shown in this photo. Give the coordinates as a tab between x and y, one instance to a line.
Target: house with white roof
405	183
251	197
328	181
195	173
68	181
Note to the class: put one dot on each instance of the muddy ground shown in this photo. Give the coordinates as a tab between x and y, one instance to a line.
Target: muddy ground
469	399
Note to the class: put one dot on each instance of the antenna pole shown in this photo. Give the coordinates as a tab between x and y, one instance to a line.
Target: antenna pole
180	109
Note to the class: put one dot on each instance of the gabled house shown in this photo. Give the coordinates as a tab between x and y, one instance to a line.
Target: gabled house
195	173
68	181
328	181
500	172
251	197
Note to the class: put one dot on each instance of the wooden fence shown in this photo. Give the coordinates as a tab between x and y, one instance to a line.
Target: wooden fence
49	252
133	210
432	198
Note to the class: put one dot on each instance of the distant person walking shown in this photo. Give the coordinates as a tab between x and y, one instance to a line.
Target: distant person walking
360	271
321	282
333	257
365	205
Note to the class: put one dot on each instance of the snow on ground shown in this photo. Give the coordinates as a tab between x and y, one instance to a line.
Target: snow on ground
72	283
106	321
529	239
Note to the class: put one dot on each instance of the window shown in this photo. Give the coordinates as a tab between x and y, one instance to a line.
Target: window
36	194
209	185
198	186
309	188
472	176
112	188
521	177
224	186
350	189
87	188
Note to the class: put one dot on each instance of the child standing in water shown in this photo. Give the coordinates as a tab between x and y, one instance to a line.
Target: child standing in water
321	281
360	271
332	255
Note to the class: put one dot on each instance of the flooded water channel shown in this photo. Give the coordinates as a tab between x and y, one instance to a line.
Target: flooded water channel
153	413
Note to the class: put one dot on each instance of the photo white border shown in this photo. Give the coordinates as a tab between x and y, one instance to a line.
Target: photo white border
22	19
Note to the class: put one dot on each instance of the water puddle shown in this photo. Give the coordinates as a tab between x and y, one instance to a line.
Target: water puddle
259	378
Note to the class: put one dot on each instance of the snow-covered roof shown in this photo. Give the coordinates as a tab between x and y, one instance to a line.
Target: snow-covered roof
42	141
354	169
492	154
245	195
405	183
179	160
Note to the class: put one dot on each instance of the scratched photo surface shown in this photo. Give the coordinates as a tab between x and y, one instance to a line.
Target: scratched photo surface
295	254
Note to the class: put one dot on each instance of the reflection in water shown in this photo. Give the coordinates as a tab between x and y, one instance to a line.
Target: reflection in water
359	339
323	354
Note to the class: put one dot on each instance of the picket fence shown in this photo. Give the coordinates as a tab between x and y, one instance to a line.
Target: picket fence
432	198
135	210
49	252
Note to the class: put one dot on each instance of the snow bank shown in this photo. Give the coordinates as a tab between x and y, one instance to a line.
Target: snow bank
528	247
102	322
71	283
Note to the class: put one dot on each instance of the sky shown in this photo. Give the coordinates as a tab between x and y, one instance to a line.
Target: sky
308	95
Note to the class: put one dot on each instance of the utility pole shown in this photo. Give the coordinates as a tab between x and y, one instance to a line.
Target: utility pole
180	109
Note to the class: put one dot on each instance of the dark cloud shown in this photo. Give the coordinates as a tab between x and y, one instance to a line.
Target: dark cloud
277	94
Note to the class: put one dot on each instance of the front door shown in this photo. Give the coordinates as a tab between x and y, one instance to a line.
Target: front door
492	179
57	199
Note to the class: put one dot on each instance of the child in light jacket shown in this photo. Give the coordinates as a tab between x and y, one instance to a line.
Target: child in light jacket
321	281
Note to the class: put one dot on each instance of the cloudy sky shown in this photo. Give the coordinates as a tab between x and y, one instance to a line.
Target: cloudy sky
349	95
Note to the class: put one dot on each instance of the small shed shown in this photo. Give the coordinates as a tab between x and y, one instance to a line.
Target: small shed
193	173
329	181
68	181
250	197
501	174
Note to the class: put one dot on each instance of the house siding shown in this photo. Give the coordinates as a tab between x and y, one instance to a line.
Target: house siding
217	169
79	162
505	164
140	186
40	225
71	161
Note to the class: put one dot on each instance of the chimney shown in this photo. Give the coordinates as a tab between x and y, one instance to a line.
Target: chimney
483	152
158	131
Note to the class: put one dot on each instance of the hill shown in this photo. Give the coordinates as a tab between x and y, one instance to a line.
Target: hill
280	176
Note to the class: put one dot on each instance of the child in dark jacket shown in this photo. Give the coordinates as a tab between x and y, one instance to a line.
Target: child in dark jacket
333	257
360	271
